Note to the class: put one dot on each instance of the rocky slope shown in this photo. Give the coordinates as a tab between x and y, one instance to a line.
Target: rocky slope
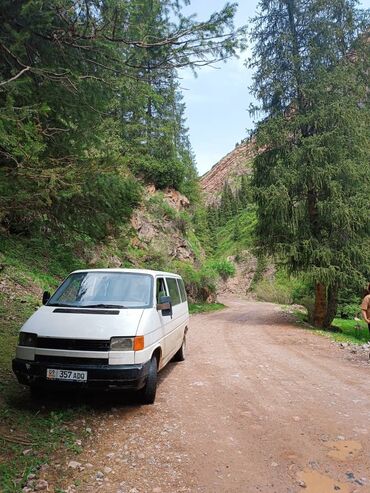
160	225
238	162
159	232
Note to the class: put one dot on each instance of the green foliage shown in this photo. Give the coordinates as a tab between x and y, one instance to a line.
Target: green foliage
201	282
282	288
310	177
309	303
91	89
224	236
352	331
223	267
260	270
108	197
161	173
349	311
273	292
348	331
205	307
39	261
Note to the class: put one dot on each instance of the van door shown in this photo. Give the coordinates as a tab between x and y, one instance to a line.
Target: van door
161	290
176	327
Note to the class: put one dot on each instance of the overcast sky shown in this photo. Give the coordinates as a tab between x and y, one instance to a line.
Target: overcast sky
217	101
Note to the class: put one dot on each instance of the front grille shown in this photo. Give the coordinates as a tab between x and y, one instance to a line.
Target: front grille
55	360
72	344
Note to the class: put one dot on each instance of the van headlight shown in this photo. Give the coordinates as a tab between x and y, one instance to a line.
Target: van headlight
127	343
27	339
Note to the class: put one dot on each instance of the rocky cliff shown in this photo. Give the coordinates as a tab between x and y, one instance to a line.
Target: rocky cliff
238	162
159	232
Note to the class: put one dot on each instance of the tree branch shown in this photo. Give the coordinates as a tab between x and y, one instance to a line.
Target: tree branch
15	77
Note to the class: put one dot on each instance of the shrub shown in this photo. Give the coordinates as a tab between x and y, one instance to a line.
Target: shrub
309	303
267	290
351	310
162	173
200	284
224	268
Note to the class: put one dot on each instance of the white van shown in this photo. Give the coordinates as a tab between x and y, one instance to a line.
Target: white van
105	328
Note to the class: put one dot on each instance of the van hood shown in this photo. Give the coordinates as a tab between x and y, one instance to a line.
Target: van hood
46	322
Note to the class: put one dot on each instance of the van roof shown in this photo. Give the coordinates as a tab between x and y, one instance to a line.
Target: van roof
132	271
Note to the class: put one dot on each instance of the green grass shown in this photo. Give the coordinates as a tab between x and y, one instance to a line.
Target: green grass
351	331
24	423
205	307
41	431
37	262
226	243
194	244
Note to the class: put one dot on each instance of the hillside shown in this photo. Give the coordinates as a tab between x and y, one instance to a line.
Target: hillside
232	221
236	163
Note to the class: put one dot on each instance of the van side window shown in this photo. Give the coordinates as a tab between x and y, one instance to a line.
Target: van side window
180	283
161	288
174	291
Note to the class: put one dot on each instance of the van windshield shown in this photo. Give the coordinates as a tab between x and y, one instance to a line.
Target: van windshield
105	290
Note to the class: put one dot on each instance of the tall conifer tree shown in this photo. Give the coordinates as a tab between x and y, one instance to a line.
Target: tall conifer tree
312	173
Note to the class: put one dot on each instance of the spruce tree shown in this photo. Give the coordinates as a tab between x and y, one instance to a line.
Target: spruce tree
90	88
311	175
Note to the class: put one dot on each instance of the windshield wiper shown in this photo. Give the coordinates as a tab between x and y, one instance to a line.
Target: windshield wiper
102	305
61	304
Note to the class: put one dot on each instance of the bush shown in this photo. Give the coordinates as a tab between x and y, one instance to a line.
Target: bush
273	292
300	290
200	284
162	173
224	268
349	311
309	303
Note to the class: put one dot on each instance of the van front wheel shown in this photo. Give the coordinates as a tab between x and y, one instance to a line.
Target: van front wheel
147	393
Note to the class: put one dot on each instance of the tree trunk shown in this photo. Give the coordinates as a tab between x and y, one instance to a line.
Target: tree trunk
332	304
320	309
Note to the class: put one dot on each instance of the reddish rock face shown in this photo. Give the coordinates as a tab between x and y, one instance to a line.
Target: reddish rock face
236	163
175	199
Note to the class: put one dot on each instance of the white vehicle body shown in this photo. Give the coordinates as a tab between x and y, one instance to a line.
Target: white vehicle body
111	344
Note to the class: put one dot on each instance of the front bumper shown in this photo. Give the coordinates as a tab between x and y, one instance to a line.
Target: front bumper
98	376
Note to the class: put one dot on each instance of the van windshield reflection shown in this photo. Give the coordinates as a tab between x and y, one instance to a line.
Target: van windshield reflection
100	289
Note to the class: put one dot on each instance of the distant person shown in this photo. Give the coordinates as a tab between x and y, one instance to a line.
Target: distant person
365	307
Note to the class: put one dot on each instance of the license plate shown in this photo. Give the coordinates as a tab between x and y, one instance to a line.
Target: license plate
69	375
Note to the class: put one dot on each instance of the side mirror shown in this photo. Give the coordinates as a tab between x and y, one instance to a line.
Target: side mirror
165	306
45	297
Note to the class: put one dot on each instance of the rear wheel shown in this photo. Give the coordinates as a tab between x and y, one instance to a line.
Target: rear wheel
181	353
147	393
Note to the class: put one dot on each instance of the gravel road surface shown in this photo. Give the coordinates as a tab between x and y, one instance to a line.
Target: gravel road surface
259	405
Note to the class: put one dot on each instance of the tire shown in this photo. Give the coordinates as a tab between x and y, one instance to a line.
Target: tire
181	353
147	393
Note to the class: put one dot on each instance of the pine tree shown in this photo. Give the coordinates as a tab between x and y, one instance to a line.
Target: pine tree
236	231
243	193
90	88
311	176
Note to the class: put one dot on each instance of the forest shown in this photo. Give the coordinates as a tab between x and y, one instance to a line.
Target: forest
92	113
97	170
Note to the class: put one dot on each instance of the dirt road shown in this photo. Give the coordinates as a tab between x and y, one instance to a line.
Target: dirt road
258	406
